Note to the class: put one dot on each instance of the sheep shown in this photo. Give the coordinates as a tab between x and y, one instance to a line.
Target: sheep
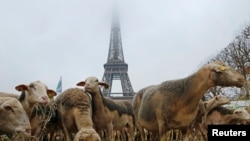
221	115
75	112
204	108
173	104
13	118
128	130
5	94
136	101
217	100
34	93
243	113
44	121
32	96
113	114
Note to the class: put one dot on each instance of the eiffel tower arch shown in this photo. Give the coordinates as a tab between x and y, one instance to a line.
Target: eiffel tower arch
116	68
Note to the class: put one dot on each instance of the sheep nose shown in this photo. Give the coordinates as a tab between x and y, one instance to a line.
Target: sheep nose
45	98
87	85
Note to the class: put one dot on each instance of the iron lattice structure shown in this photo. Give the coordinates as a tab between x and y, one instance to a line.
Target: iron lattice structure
116	68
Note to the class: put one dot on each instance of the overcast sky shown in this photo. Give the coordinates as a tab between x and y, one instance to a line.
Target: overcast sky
161	39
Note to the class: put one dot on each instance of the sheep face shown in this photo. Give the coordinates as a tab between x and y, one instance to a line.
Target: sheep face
87	135
35	92
13	117
242	113
223	75
91	85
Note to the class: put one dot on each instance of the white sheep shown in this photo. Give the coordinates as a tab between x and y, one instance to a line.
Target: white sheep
34	93
13	118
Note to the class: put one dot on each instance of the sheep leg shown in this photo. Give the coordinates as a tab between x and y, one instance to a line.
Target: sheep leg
129	132
110	136
67	136
141	131
162	130
203	132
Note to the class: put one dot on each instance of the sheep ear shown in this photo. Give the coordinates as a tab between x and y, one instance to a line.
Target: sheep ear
105	85
82	83
21	87
51	92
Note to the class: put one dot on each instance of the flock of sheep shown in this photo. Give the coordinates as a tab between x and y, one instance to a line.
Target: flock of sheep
169	111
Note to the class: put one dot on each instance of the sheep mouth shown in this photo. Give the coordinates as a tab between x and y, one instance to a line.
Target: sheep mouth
44	102
88	90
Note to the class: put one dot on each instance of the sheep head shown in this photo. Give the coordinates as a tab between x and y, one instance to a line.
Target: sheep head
35	92
91	85
223	75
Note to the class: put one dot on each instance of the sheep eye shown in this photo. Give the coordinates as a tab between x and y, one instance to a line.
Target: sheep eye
96	80
9	108
32	86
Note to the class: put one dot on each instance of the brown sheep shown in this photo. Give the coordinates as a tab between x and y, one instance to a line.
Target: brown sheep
13	118
128	130
204	108
174	104
113	114
217	100
243	113
136	101
75	111
222	115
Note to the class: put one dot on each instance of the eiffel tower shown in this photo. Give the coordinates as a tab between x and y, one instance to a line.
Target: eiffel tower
116	68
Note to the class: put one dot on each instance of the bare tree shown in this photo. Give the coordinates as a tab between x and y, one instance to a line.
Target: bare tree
237	55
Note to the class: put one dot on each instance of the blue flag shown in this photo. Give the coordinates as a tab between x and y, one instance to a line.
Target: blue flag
59	86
